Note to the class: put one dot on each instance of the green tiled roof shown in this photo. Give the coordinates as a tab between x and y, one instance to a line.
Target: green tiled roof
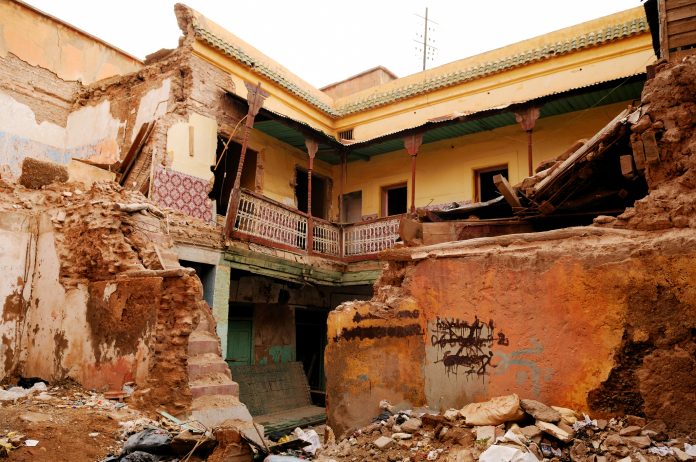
261	68
618	31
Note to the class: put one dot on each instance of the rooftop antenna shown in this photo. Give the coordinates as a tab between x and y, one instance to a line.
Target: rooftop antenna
425	43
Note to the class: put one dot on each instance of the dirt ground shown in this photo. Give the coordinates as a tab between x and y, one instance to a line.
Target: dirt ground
71	424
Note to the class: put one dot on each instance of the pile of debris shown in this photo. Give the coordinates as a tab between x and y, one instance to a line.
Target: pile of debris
509	429
68	422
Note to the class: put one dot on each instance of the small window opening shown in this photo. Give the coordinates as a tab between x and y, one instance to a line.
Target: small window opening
485	188
346	134
394	199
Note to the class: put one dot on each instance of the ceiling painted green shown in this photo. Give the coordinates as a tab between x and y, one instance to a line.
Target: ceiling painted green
576	101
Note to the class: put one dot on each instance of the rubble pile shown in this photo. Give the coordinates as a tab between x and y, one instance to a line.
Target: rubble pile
509	429
668	128
66	421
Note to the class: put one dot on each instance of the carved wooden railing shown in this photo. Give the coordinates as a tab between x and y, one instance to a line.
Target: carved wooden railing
326	237
267	219
370	237
270	222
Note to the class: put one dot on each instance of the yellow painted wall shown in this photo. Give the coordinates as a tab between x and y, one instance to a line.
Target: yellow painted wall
196	161
445	169
279	161
44	41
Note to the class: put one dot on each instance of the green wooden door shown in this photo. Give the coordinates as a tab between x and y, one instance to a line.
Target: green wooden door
238	342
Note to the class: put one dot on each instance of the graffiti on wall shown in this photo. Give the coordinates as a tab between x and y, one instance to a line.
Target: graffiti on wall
465	347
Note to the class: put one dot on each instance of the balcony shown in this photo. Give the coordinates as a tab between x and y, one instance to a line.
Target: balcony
267	222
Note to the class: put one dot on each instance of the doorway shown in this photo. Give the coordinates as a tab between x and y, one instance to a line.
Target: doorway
226	172
310	325
320	193
351	208
485	189
394	199
240	334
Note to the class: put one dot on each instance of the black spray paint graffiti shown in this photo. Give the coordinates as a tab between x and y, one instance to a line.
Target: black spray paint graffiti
465	347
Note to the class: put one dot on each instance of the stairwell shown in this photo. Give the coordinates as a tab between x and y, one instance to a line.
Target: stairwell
215	395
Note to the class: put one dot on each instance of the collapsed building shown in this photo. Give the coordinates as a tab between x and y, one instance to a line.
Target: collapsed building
281	197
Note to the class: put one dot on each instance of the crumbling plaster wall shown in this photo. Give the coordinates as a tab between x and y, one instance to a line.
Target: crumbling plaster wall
38	119
43	63
46	42
86	295
17	241
567	322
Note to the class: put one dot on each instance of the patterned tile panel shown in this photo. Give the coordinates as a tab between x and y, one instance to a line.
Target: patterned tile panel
186	193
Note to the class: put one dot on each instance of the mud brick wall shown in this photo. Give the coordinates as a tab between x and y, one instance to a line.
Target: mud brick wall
605	324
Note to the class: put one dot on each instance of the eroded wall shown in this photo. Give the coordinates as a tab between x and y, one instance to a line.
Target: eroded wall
591	322
86	295
49	43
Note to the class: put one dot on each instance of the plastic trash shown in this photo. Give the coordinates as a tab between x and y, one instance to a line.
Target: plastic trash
497	453
585	423
31	443
15	393
661	451
311	437
274	458
153	441
690	449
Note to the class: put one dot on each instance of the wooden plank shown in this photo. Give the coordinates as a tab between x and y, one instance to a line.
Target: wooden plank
681	26
580	153
510	195
672	4
135	149
662	16
683	12
680	40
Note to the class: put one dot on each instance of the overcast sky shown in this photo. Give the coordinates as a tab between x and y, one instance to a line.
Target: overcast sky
324	41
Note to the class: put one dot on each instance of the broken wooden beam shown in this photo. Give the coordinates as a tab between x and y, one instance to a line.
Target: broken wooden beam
135	150
510	195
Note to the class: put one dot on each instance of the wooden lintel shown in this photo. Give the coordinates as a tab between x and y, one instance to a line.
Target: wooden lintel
510	195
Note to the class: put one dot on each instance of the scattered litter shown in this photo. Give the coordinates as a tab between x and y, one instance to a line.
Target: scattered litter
31	443
15	393
311	437
690	449
661	451
585	423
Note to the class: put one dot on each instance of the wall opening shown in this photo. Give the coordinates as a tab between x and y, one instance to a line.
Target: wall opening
226	171
394	199
240	334
320	193
351	208
206	273
310	325
485	189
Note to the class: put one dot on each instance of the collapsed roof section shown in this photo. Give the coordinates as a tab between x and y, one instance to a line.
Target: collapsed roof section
599	176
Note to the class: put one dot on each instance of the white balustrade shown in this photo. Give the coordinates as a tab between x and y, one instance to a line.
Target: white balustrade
266	220
372	237
326	238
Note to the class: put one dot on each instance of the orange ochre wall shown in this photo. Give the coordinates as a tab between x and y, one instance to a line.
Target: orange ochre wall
562	316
